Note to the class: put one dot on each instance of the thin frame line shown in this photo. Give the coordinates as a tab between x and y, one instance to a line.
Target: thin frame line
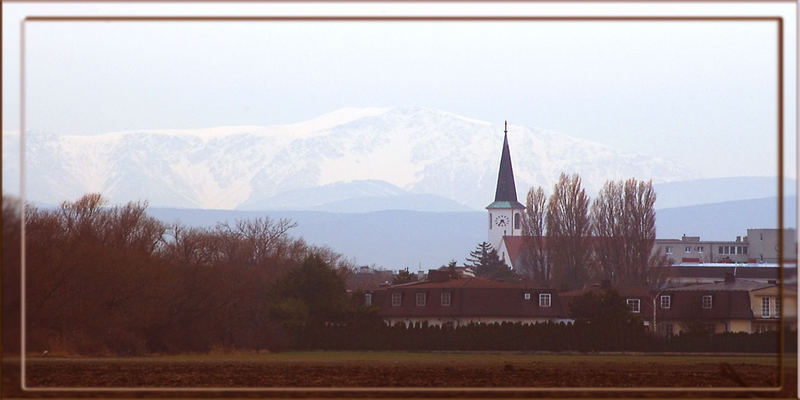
781	334
23	221
409	389
414	1
777	19
511	18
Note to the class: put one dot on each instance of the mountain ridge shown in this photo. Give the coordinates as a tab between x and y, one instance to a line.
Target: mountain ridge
420	150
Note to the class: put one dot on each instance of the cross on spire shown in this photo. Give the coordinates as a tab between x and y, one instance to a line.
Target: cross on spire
506	131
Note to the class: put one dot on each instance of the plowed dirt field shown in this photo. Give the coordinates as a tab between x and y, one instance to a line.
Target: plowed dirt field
301	371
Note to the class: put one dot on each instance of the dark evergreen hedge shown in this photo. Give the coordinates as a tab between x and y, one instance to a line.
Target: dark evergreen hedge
580	337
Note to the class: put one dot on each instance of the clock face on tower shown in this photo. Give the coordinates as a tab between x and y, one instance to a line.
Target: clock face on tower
501	220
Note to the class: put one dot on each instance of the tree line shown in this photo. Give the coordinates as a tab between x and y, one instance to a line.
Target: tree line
113	280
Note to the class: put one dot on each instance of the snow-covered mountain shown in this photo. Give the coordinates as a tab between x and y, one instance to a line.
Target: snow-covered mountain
370	152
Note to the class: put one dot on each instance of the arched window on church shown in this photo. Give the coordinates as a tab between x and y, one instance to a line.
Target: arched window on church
517	221
490	220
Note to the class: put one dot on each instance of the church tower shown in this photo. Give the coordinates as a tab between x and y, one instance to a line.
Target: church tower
505	213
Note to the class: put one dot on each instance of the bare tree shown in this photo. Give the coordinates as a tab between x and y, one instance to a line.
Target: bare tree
623	219
535	262
568	227
608	227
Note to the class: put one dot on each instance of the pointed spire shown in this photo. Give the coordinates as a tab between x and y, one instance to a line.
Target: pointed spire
506	190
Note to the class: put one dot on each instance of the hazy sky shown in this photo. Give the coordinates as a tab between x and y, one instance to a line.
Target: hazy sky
700	93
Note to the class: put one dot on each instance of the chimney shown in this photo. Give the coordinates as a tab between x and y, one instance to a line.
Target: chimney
420	275
738	238
729	278
435	275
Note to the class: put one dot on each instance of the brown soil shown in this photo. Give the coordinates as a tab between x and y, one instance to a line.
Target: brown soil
94	373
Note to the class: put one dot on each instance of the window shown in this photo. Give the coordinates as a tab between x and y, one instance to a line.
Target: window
699	249
707	302
517	223
527	296
633	305
687	249
720	249
446	299
765	307
665	302
744	250
777	309
421	299
368	299
490	220
668	249
738	249
544	300
397	299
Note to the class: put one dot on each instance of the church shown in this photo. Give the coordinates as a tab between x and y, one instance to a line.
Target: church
505	212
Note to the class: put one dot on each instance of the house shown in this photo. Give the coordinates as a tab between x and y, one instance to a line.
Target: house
728	306
768	305
457	302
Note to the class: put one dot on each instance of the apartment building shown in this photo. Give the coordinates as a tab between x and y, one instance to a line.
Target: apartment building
758	246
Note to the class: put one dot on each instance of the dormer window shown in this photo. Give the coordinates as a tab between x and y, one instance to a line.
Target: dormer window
397	299
445	299
544	300
665	301
421	299
707	302
634	305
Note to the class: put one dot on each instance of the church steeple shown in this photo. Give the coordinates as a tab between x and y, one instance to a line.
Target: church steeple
506	190
505	213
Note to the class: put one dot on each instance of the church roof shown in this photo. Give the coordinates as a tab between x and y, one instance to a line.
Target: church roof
506	190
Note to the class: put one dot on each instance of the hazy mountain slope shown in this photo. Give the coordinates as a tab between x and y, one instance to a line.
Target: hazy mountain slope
726	220
355	196
418	150
393	239
715	190
399	239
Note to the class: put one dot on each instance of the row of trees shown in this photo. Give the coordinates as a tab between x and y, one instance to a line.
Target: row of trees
570	239
114	280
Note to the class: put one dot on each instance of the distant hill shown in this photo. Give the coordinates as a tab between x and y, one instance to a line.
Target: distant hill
717	190
355	196
400	239
392	239
726	220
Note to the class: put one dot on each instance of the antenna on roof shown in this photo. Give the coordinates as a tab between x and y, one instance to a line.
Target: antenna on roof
506	131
